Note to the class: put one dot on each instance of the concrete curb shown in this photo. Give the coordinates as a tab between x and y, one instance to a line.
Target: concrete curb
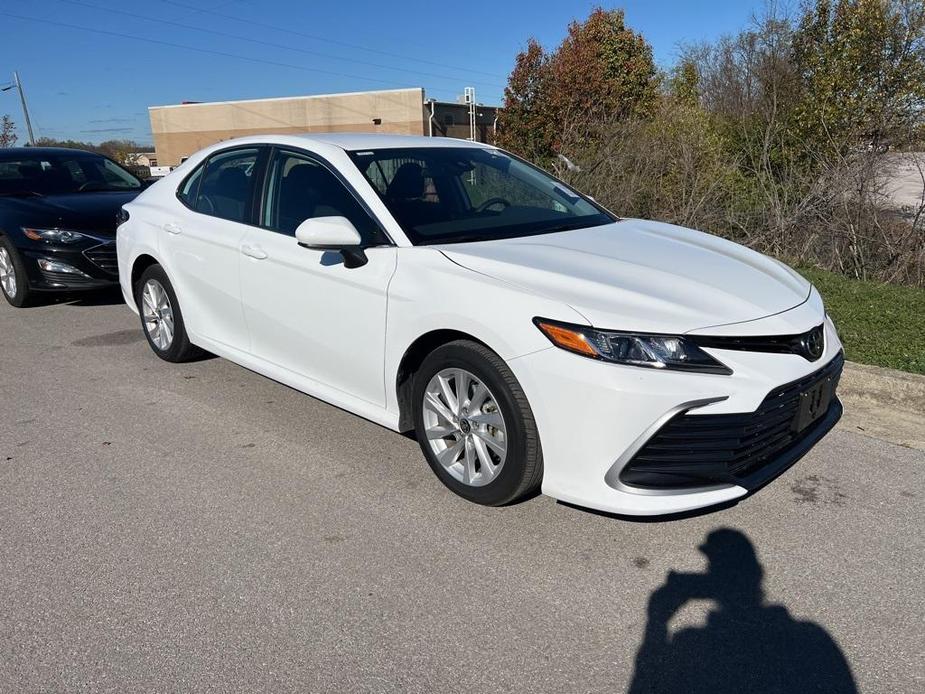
884	403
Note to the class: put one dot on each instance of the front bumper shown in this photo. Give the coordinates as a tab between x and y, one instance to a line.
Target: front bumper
594	417
94	266
693	449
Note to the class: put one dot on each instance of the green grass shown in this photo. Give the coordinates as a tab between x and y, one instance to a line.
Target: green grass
881	324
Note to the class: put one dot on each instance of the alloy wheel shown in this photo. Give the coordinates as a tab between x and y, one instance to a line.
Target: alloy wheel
464	427
7	273
157	314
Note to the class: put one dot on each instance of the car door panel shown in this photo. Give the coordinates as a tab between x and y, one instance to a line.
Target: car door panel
204	258
202	244
308	313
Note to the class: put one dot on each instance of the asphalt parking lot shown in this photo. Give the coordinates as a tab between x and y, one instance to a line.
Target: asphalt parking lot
200	528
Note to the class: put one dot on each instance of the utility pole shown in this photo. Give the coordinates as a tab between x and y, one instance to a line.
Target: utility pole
25	109
469	98
16	84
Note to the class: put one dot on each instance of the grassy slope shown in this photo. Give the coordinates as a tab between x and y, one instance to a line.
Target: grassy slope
879	324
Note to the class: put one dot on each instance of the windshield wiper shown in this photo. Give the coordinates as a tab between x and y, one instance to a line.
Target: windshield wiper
566	227
463	238
100	188
473	238
22	194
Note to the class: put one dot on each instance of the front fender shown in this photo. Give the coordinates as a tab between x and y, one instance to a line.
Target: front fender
429	292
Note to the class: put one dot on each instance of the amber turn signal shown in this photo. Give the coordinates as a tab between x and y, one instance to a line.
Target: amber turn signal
566	338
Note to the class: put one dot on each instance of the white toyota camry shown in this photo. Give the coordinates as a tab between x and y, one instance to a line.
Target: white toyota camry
530	338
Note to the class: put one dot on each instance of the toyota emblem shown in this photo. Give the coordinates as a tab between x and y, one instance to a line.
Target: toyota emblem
813	343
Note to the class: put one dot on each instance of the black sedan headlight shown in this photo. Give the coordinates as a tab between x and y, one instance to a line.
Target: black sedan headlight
54	235
634	349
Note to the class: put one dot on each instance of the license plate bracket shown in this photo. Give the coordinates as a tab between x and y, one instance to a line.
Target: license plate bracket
813	404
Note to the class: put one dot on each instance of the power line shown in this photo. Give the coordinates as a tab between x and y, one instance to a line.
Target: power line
239	37
284	47
198	49
287	30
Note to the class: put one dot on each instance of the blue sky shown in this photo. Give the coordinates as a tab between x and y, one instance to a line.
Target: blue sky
97	85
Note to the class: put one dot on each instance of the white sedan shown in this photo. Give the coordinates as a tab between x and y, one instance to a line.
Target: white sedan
530	338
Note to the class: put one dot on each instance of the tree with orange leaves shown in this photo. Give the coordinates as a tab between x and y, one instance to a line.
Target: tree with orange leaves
602	72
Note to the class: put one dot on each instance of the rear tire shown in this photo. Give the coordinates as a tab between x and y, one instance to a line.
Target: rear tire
161	318
475	426
13	282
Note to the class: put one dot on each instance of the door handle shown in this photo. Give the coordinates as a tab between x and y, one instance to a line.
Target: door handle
172	228
255	252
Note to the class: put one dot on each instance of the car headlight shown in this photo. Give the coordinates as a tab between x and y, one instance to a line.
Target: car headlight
634	349
54	235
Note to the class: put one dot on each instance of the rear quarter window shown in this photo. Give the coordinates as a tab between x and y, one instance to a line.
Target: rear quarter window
189	189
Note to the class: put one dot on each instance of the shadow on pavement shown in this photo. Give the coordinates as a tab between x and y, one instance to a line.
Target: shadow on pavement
747	645
97	297
662	518
93	297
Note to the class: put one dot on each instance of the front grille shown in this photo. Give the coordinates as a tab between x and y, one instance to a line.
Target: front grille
104	257
809	345
694	450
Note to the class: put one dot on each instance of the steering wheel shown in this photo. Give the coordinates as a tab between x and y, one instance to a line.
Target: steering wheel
88	185
493	201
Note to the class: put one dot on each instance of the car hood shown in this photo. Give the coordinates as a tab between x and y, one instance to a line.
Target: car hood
640	275
90	211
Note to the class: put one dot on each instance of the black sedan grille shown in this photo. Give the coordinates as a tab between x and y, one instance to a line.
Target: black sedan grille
104	257
694	450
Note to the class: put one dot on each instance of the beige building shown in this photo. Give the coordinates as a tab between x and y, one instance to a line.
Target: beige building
182	129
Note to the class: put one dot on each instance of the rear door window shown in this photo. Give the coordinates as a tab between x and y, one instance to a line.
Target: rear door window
227	185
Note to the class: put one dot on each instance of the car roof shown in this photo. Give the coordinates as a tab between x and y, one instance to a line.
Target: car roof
349	141
17	152
354	141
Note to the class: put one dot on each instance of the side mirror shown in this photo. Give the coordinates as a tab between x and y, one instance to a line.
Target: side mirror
333	234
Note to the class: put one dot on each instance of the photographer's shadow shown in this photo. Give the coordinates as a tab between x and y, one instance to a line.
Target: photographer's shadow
747	645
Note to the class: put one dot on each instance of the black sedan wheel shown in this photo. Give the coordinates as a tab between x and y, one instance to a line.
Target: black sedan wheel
13	276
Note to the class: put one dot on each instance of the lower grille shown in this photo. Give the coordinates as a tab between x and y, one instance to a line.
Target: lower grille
68	279
693	450
104	257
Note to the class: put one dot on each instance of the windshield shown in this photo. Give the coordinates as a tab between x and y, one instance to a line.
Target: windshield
455	194
56	174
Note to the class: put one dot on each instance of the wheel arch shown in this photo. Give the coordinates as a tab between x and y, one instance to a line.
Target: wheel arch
411	361
139	265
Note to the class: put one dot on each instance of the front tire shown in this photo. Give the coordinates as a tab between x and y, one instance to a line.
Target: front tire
161	318
13	282
475	426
